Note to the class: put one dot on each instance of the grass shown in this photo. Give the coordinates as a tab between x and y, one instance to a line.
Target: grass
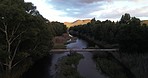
137	62
67	67
59	46
109	66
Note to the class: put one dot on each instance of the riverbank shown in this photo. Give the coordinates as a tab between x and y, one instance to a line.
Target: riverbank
123	65
112	66
40	69
135	64
93	42
59	42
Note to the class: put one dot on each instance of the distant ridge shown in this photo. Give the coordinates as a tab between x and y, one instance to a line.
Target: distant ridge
82	22
144	22
77	22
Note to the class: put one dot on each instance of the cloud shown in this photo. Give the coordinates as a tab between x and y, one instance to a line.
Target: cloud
90	1
70	10
117	12
140	12
116	9
77	8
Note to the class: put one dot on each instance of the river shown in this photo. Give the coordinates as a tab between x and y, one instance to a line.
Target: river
86	66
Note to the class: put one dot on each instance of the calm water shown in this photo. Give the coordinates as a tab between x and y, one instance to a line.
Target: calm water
86	66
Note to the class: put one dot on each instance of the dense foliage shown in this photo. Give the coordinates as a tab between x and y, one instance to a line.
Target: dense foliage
25	35
128	33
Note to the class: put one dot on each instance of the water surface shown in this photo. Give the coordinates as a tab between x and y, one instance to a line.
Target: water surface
86	66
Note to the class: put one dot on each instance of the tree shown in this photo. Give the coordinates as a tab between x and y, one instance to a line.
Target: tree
135	22
93	20
57	28
9	29
23	33
125	19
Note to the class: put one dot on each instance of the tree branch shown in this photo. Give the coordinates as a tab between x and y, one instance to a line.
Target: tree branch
7	39
14	54
2	30
18	62
35	46
4	27
4	64
17	37
6	33
15	29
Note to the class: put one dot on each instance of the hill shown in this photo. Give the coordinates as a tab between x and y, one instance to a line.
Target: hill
82	22
144	21
77	22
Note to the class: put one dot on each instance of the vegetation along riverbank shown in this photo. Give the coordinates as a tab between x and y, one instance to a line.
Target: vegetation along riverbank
67	66
129	35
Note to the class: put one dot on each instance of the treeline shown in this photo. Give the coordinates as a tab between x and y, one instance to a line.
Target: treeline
25	36
130	35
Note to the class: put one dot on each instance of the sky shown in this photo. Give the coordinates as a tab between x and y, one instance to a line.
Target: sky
71	10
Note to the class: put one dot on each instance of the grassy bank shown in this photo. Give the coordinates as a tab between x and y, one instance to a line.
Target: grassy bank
67	66
111	66
136	62
123	65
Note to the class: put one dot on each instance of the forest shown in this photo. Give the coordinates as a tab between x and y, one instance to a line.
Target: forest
128	34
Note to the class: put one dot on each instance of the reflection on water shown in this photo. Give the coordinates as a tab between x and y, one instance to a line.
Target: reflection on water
54	61
86	66
79	44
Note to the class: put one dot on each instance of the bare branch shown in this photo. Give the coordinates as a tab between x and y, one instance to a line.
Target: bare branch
18	62
7	38
17	37
5	26
6	33
14	54
35	46
15	29
3	64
